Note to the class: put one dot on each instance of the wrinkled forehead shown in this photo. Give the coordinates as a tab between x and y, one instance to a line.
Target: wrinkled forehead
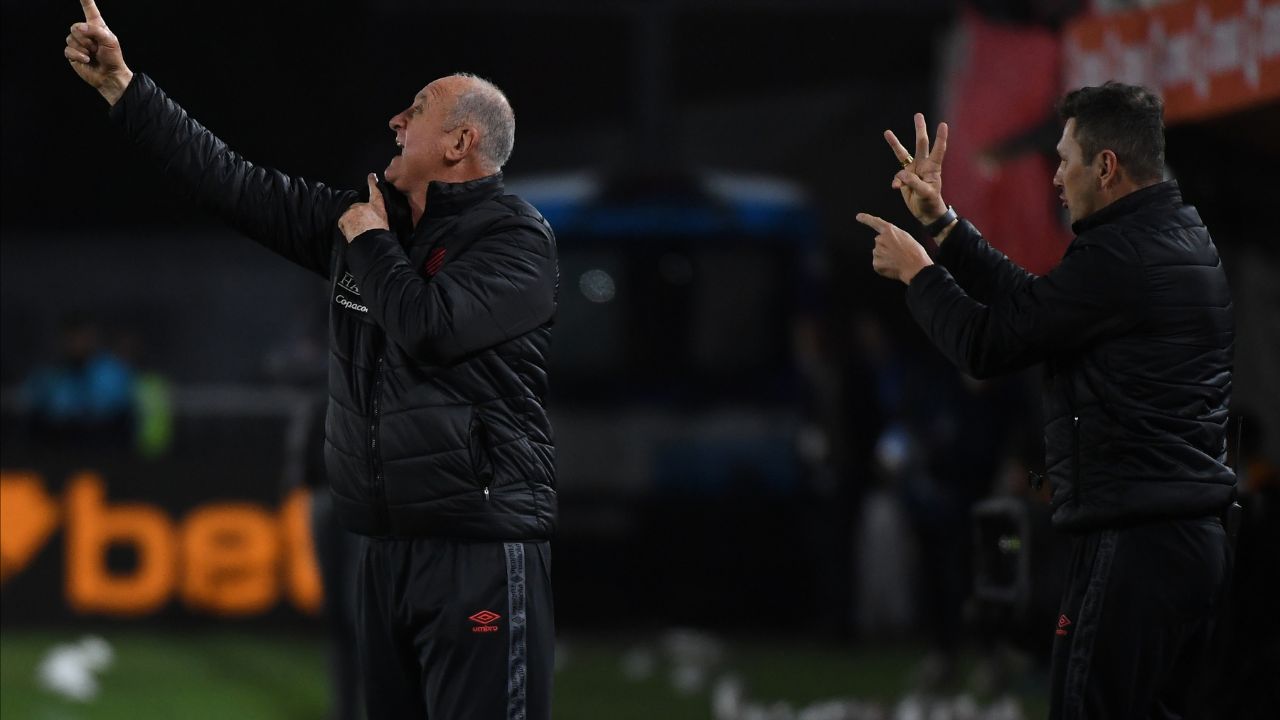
440	89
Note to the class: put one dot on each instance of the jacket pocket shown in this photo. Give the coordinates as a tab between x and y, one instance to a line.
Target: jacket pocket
481	460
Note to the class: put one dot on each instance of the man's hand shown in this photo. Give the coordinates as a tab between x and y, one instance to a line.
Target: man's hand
94	53
365	216
896	255
920	179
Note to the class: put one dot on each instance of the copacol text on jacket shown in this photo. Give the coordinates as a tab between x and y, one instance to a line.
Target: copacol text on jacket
347	286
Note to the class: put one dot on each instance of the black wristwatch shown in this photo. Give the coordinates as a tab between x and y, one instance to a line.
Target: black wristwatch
941	223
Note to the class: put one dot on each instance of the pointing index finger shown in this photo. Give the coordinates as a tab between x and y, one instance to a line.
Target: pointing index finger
91	13
872	222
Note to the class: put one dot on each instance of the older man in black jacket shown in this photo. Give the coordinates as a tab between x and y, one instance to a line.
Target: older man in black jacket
438	447
1136	331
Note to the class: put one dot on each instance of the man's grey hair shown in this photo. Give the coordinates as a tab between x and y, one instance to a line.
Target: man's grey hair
486	107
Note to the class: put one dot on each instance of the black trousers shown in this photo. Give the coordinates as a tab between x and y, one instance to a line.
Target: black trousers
451	629
338	554
1137	619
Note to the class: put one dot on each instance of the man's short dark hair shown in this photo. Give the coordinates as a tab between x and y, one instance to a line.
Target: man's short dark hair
1128	120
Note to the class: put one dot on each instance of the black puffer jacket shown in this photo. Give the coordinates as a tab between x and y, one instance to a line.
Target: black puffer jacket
438	334
1135	326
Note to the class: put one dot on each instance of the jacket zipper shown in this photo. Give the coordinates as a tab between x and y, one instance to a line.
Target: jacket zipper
375	462
479	437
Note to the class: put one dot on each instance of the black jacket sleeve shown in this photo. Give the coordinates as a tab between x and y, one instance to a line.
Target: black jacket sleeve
1094	294
500	288
985	273
291	216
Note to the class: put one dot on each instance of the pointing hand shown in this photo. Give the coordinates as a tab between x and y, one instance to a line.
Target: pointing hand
896	255
94	53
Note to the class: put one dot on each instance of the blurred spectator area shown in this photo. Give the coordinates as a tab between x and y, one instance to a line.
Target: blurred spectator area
717	394
199	305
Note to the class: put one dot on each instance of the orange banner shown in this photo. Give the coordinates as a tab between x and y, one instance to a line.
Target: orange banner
231	559
1205	57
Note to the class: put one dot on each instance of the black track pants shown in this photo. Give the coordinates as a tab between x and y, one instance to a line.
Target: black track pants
1136	621
451	629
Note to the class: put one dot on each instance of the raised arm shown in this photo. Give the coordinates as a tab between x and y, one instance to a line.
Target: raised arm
984	272
291	216
1094	294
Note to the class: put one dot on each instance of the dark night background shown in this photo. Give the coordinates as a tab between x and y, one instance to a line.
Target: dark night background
758	483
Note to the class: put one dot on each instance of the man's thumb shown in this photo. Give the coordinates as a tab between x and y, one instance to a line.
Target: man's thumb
914	182
98	33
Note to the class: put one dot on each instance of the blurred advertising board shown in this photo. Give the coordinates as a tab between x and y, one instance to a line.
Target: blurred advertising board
208	529
1205	57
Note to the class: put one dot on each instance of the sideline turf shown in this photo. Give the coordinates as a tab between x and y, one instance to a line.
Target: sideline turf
276	676
188	675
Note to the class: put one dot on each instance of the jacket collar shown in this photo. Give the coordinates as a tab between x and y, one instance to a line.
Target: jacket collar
443	199
1164	193
452	198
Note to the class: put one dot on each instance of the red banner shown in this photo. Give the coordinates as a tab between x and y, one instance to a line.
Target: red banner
1001	84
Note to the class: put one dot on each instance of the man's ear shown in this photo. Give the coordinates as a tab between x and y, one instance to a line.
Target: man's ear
1108	168
462	144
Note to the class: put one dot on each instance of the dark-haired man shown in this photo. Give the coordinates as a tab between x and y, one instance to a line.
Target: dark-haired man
437	443
1135	329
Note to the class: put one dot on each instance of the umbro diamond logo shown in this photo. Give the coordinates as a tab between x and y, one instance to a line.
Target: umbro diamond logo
484	621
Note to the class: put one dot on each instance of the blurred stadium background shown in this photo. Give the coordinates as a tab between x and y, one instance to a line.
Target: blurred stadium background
776	500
